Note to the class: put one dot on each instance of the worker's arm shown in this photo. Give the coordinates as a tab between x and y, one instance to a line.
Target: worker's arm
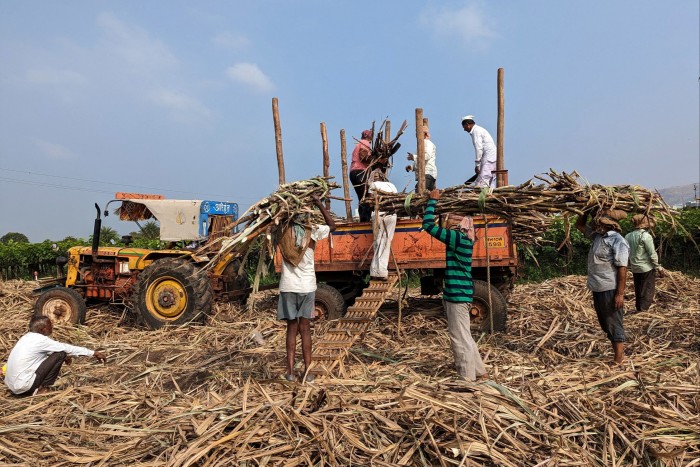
326	215
581	223
620	289
446	236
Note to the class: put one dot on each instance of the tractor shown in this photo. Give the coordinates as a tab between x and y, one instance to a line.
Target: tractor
172	286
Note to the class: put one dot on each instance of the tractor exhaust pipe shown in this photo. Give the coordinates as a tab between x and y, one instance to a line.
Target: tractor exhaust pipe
96	233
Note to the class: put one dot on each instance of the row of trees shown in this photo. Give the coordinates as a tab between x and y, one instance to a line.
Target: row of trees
678	249
19	258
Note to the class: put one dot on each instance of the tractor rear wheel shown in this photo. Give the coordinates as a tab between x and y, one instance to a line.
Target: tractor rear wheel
479	311
61	305
172	291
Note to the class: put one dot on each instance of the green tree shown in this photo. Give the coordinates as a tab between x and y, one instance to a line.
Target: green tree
109	236
15	237
149	231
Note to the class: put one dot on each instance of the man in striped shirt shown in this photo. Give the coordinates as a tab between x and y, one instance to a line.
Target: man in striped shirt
458	289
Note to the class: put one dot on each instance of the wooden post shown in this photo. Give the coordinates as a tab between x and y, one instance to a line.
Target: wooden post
326	159
420	163
501	177
278	140
346	182
387	131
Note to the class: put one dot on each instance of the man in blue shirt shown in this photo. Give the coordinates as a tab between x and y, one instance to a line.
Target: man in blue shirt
607	273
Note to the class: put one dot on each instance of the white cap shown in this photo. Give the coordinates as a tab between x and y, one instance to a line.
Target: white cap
469	117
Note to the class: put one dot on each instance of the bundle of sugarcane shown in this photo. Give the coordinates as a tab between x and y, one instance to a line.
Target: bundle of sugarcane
278	209
531	207
382	150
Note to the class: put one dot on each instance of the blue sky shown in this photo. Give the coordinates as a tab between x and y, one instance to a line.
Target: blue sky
175	97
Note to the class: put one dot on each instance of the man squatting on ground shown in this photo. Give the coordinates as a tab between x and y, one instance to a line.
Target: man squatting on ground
485	152
361	157
607	273
383	228
35	361
430	153
644	262
298	284
459	288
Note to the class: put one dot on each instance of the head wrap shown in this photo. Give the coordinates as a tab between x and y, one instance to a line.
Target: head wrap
643	221
608	219
466	225
468	117
367	134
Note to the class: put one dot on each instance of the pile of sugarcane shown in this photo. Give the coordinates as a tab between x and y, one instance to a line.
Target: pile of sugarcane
214	395
530	207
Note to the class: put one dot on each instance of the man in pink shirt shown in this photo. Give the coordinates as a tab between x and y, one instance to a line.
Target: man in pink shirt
361	156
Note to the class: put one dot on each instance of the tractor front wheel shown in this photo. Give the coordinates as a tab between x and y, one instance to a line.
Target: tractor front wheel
61	305
172	292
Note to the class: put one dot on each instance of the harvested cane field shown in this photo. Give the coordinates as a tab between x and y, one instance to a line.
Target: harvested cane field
212	395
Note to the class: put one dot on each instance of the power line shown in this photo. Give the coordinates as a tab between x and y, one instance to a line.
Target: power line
103	183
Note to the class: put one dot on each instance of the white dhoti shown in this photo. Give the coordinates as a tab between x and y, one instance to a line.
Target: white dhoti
384	234
486	176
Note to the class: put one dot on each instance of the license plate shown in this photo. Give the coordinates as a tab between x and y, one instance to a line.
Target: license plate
497	242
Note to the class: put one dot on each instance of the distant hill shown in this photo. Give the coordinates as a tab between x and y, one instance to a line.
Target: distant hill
678	195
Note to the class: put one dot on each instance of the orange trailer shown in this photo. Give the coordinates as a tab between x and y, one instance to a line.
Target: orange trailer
343	260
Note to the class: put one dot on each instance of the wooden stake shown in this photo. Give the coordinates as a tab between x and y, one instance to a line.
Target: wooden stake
346	182
420	165
326	158
387	132
501	177
278	140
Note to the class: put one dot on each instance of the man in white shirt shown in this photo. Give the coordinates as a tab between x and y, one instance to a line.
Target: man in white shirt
430	168
35	361
298	285
383	228
485	160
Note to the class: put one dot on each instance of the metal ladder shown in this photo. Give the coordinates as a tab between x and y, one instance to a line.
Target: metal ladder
330	351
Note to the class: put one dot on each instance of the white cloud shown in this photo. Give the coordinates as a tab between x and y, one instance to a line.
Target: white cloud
469	22
134	45
181	106
54	151
250	75
52	76
230	40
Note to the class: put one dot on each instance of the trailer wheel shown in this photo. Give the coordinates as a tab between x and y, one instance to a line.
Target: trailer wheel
172	292
61	305
329	303
479	311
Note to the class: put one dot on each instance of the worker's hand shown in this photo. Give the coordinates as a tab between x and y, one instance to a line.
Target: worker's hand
619	301
409	168
410	157
476	169
661	272
100	356
68	360
434	194
315	199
